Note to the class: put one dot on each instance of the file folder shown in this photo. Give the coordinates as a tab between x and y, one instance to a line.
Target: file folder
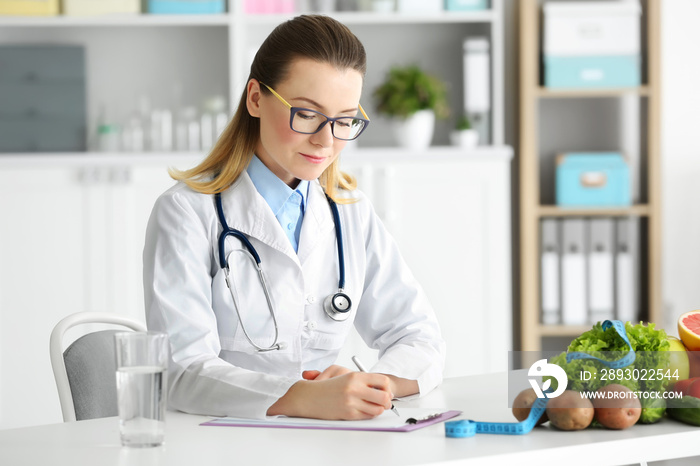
600	269
573	272
626	269
549	271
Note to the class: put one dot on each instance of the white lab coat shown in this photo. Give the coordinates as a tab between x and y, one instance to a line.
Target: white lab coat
214	370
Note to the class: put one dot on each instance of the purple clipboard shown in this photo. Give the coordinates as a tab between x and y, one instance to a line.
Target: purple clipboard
383	423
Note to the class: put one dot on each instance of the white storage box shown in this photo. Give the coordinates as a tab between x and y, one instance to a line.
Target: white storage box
592	44
466	5
419	6
100	7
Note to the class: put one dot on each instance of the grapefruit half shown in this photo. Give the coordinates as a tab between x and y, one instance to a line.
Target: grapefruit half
689	330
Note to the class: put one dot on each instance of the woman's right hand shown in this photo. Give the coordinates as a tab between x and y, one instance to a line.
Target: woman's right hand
350	396
330	372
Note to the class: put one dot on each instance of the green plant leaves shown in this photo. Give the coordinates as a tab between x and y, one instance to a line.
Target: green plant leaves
409	89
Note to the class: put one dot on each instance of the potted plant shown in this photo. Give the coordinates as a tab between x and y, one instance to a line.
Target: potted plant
464	135
413	99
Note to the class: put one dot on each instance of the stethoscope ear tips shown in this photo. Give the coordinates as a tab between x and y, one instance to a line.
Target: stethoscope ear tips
338	306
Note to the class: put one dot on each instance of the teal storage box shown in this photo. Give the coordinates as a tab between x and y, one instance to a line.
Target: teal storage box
593	179
466	5
186	7
592	71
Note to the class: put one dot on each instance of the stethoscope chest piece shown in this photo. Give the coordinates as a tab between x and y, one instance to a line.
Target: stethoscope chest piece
337	306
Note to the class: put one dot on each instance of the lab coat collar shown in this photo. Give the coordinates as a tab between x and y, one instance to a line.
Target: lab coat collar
247	211
318	221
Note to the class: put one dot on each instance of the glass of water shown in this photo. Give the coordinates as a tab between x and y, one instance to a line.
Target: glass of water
142	384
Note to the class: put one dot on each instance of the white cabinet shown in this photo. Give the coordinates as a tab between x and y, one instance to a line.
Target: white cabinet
71	240
449	212
43	263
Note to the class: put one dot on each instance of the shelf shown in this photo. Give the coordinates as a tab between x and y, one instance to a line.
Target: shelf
640	210
434	153
115	20
546	93
368	17
563	330
360	154
79	159
145	19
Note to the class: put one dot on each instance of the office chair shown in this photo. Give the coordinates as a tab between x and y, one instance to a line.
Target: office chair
85	372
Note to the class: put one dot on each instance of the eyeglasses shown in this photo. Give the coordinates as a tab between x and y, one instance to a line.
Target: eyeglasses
307	121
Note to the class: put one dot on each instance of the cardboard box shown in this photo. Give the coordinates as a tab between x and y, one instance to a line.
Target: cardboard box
593	179
29	7
592	44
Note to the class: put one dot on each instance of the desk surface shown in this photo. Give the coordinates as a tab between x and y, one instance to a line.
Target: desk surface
482	398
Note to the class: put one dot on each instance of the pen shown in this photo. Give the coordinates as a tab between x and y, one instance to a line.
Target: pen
361	368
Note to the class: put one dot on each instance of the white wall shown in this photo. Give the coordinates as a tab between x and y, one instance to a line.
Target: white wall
680	150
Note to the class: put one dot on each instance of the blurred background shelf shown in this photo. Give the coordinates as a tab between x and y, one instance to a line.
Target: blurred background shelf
546	93
130	20
640	210
562	330
359	18
560	120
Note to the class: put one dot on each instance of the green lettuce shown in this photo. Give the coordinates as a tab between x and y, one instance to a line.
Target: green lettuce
650	345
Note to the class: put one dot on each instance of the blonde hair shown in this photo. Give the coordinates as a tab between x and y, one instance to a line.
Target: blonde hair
332	43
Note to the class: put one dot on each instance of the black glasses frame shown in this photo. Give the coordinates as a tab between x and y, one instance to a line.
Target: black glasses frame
331	120
295	110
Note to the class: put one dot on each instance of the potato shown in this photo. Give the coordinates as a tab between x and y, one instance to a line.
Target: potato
619	410
522	404
570	411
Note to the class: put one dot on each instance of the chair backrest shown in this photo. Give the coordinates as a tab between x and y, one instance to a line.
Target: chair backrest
85	372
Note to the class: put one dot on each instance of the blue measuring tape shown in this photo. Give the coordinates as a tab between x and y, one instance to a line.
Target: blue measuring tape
626	360
468	428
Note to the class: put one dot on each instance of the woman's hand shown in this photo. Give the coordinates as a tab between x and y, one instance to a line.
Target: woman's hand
332	371
399	387
336	393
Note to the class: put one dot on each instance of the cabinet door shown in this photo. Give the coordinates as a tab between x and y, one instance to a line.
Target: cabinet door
132	199
451	220
42	279
71	240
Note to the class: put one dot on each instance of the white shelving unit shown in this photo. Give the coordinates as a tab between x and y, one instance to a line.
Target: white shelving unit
536	185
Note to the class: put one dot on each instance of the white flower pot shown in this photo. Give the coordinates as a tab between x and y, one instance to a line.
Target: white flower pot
416	131
466	139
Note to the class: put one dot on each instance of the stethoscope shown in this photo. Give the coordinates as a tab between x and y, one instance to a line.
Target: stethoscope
336	305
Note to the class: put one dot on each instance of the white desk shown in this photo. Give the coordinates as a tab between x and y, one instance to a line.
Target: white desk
483	398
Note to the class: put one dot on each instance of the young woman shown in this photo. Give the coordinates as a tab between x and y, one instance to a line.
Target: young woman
260	260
